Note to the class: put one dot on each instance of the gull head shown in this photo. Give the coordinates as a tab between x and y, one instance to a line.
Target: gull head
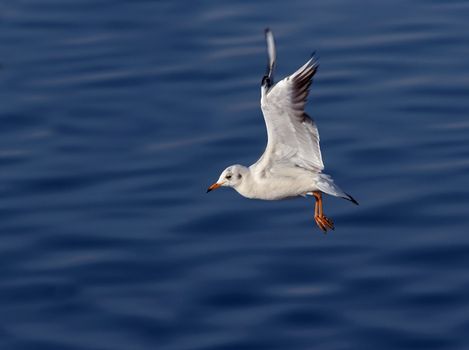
232	176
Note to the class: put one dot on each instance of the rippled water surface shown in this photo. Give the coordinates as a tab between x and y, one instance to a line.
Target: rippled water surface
115	117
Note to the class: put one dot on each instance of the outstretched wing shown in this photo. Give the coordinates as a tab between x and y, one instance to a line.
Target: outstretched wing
271	52
293	137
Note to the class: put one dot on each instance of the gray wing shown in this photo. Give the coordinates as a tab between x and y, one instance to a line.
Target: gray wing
271	52
293	138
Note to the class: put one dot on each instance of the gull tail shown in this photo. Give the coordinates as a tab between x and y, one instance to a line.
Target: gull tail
326	184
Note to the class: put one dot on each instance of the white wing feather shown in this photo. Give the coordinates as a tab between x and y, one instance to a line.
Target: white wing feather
269	37
293	137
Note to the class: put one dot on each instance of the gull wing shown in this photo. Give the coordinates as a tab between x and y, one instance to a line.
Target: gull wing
271	52
293	138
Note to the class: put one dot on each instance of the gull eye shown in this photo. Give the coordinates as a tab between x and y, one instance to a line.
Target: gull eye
228	177
239	176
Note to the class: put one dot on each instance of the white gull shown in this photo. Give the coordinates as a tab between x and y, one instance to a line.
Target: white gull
292	164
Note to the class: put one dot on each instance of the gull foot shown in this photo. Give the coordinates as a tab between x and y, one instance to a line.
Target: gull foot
324	223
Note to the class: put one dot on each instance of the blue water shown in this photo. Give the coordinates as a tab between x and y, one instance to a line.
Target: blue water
115	117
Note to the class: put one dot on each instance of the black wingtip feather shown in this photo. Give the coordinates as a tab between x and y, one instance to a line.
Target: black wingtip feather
351	199
266	81
302	83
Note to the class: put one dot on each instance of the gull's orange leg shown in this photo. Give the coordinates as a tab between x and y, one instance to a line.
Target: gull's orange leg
317	207
323	222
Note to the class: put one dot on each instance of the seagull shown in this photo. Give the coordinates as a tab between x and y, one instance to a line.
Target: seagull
291	165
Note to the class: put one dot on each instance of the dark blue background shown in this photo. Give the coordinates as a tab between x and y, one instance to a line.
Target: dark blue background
116	115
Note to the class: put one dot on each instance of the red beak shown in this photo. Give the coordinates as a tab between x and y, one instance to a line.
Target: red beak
214	187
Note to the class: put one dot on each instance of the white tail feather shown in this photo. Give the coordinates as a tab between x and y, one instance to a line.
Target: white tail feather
326	184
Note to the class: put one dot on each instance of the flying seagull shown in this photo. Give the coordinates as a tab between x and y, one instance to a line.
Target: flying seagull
292	164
